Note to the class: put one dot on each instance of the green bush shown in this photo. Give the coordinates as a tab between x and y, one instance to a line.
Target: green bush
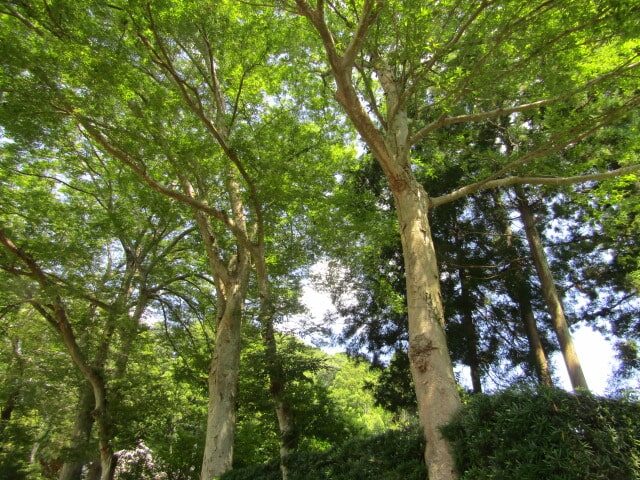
547	434
517	434
394	455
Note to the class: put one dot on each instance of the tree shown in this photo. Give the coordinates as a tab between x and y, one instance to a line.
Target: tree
169	96
403	71
550	292
481	260
96	271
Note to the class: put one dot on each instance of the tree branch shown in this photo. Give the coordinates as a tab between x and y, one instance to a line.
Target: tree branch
141	172
477	117
552	145
366	80
369	14
36	271
552	181
350	101
316	17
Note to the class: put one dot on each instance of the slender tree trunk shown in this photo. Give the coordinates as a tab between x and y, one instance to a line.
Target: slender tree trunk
471	336
519	289
431	366
223	386
284	413
33	455
277	380
83	424
550	294
535	345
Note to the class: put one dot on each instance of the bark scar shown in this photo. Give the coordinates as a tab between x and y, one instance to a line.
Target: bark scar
420	350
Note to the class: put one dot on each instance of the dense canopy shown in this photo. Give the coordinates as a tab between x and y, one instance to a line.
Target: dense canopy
464	175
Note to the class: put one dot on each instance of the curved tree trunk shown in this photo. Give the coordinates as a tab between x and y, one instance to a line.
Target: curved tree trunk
550	293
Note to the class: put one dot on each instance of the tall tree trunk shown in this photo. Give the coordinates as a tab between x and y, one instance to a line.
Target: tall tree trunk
83	424
536	349
223	386
231	282
519	289
277	380
284	413
431	366
550	294
472	358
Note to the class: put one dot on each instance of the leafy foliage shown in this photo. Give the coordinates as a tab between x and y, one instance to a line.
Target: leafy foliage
326	393
97	98
551	434
393	455
519	433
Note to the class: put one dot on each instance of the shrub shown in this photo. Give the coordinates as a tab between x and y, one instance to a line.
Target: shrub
519	434
394	455
548	434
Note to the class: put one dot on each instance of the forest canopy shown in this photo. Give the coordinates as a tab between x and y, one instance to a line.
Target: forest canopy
171	171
